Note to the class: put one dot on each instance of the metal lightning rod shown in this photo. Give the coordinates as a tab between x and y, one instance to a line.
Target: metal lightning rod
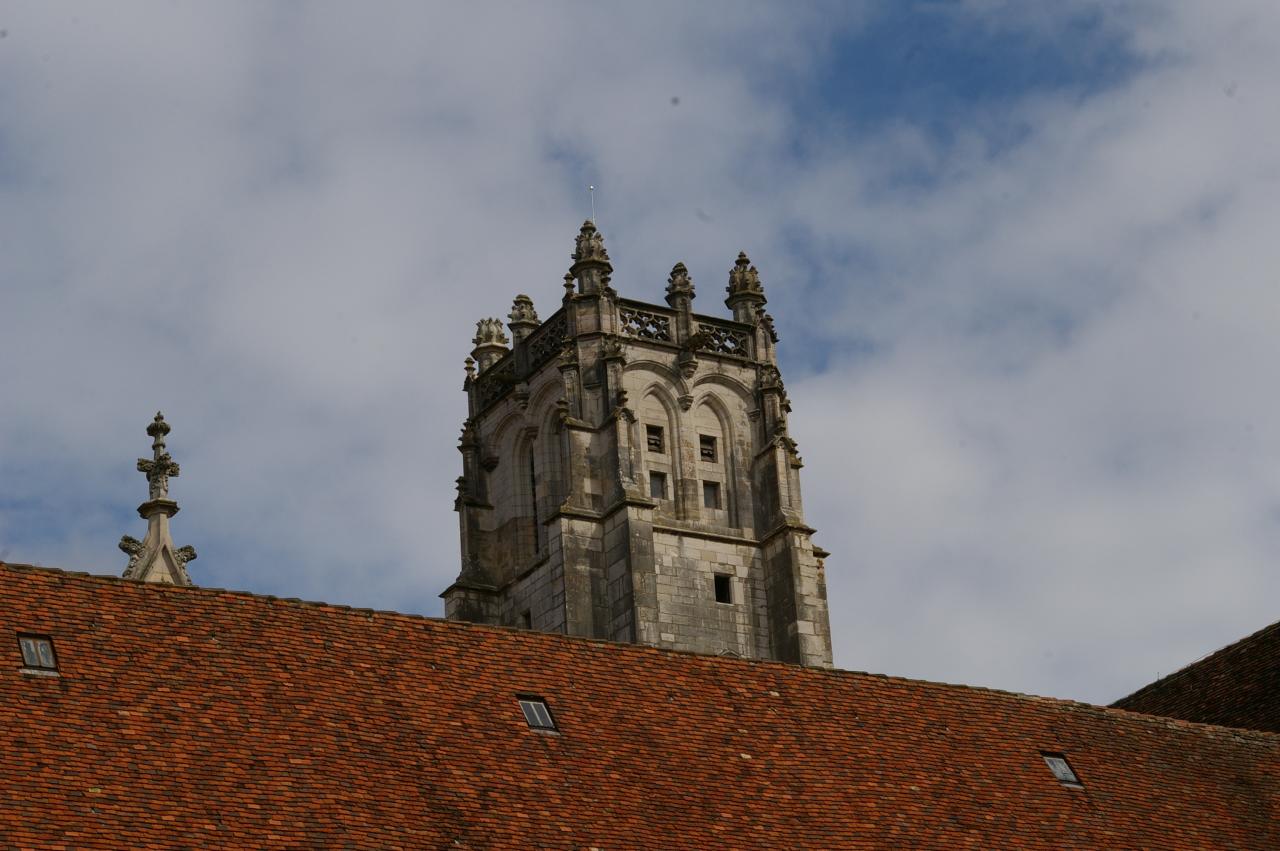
591	190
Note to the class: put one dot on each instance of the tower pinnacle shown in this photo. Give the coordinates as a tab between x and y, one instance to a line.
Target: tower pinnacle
746	294
154	558
591	267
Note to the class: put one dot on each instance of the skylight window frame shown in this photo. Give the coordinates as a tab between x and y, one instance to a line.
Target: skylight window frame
1063	772
537	714
39	642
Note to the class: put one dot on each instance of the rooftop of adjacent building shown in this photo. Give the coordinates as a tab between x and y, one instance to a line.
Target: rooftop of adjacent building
223	719
1238	686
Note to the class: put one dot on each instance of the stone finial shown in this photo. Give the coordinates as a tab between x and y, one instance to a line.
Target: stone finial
746	294
679	285
591	267
524	319
160	466
590	245
489	333
490	343
522	309
743	277
155	558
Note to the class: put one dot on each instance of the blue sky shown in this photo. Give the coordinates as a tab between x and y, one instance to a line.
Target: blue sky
1019	256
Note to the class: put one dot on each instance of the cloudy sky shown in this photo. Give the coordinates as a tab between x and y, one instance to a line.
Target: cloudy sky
1022	257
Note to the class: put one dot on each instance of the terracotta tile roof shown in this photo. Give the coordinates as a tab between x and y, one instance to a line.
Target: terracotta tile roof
1238	686
199	718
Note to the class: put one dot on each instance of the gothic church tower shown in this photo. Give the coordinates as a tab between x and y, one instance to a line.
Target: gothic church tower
628	475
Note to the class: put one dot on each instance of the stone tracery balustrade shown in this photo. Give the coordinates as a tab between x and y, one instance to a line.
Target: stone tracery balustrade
496	380
722	340
645	324
548	340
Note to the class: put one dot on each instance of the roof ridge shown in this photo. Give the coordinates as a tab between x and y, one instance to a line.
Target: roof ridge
1066	703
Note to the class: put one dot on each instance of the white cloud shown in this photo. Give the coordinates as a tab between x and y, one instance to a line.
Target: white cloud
1063	444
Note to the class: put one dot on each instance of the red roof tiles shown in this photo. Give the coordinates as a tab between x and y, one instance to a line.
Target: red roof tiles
1238	686
198	718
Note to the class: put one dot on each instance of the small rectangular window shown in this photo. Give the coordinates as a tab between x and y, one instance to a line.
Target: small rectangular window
536	713
724	588
711	494
707	447
37	652
653	435
1062	770
526	619
658	485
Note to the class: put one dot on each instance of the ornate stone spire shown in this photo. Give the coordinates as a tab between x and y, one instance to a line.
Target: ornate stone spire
524	319
591	266
154	558
490	343
746	294
679	285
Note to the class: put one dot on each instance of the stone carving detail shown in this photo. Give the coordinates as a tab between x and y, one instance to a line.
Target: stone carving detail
679	284
590	244
688	361
468	437
770	377
131	547
548	340
489	333
722	340
743	277
569	355
161	466
765	321
522	310
645	324
612	349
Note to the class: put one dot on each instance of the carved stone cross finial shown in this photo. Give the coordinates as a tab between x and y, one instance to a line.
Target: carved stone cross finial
160	466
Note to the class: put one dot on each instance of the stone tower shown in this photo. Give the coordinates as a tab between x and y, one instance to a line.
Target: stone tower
628	475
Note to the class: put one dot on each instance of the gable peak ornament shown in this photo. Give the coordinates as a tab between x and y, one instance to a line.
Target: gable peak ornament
155	558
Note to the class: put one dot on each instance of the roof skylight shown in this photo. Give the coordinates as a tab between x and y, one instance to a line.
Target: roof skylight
537	713
1062	769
